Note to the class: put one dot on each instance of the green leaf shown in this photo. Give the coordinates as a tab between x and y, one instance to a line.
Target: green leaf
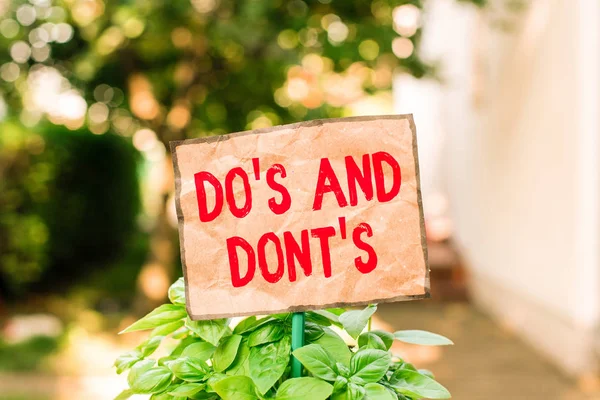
335	318
268	363
241	364
162	315
226	352
125	394
127	360
355	392
266	334
355	321
375	391
145	378
369	365
405	365
167	329
334	345
369	340
414	384
427	373
189	340
186	389
386	337
304	389
177	292
204	396
212	330
200	350
213	379
423	338
343	370
236	388
162	396
316	318
340	384
312	331
352	392
189	369
316	360
149	346
336	311
249	324
181	333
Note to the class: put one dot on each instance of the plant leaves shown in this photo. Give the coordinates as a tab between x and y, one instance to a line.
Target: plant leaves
181	333
405	365
236	388
249	324
414	384
266	334
343	370
369	365
386	337
334	318
369	340
303	389
268	363
423	338
187	389
340	384
355	392
316	318
355	321
161	315
334	345
188	369
375	391
167	329
127	360
149	346
164	396
226	352
202	395
312	331
183	343
352	392
213	379
200	350
316	360
177	292
210	330
427	373
145	378
241	364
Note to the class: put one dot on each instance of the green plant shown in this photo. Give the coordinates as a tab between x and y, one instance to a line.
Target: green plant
251	361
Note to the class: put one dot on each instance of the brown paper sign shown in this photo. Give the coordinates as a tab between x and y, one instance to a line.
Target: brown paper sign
297	217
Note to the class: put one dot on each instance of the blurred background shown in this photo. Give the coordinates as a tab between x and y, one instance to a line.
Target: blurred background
506	97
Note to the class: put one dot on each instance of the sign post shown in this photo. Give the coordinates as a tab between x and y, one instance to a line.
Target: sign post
301	217
297	341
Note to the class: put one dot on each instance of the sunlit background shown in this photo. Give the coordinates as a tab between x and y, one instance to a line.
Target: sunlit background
506	97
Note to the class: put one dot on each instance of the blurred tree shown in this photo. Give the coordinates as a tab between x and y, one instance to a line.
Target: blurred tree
158	71
69	201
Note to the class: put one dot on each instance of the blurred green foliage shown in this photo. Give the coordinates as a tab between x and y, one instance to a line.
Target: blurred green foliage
27	355
188	68
70	201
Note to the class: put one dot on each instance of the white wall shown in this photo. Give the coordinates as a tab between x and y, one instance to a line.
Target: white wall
521	163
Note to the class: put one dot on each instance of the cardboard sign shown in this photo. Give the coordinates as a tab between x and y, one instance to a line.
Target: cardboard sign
297	217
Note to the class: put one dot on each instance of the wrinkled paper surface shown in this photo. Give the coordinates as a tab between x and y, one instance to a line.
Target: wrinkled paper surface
398	230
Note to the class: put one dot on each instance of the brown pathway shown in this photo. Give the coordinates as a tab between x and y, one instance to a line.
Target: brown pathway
486	363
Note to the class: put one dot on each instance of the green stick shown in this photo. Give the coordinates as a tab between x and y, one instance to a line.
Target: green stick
297	341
